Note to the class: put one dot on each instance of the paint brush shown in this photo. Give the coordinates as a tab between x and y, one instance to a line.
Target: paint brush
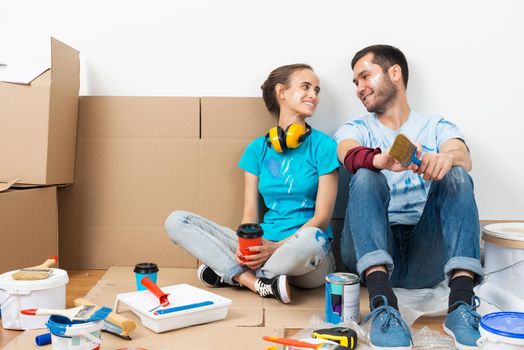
404	151
114	323
38	272
303	344
86	313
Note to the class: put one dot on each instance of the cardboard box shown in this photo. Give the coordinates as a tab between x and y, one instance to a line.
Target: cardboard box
38	122
221	181
28	227
242	118
137	161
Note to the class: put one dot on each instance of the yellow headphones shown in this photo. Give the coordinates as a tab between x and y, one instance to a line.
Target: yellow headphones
292	137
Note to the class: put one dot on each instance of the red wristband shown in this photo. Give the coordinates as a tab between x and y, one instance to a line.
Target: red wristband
361	157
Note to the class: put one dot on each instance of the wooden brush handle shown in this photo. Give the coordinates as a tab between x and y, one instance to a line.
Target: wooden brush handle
124	323
48	263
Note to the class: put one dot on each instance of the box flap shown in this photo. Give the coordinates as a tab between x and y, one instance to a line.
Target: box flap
22	72
4	186
63	107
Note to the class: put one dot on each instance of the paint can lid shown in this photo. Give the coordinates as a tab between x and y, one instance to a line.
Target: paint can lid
342	278
506	230
506	324
23	287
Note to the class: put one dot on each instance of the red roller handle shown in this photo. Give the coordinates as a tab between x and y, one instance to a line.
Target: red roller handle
153	288
31	312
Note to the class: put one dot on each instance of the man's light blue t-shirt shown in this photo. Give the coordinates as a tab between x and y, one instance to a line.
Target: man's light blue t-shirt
288	181
408	190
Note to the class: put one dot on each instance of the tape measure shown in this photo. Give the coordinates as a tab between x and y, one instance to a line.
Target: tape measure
342	335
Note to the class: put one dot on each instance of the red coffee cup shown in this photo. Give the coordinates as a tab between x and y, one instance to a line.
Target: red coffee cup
249	235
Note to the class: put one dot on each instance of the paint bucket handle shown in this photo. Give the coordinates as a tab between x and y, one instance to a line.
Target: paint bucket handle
6	298
91	337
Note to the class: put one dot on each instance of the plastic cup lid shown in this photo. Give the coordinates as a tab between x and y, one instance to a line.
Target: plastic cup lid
145	268
507	324
507	230
250	231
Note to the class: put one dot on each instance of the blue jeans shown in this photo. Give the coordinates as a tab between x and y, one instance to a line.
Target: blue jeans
447	236
306	257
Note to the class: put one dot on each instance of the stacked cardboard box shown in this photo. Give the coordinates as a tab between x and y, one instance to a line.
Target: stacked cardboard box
37	146
140	158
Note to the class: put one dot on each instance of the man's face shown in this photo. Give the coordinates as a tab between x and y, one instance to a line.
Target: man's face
374	87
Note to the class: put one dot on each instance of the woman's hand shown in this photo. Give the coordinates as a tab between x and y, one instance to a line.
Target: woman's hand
260	254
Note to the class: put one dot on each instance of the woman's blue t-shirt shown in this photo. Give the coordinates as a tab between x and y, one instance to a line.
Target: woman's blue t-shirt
288	181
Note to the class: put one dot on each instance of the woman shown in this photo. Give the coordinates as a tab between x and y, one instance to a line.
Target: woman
295	169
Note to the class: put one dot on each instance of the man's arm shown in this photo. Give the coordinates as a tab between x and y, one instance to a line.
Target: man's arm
458	149
434	166
344	147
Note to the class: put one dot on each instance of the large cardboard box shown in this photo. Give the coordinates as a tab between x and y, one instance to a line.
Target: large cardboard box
38	122
28	227
137	161
228	125
243	118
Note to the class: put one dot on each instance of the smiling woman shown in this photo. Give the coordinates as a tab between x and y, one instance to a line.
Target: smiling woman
294	168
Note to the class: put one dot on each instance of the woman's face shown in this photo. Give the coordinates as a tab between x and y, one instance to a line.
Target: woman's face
300	97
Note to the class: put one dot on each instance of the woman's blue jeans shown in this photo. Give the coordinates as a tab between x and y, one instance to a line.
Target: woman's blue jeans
447	236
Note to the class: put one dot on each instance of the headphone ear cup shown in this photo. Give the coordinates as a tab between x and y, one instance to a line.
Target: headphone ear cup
295	135
275	138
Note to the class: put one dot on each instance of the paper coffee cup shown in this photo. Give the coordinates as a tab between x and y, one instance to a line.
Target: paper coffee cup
249	235
145	269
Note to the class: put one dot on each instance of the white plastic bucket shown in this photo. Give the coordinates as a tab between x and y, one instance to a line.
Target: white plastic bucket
16	295
67	335
504	257
502	330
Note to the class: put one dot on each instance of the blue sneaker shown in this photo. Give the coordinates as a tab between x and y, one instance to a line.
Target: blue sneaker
388	329
463	324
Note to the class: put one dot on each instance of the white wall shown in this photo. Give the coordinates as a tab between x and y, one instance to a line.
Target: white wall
465	58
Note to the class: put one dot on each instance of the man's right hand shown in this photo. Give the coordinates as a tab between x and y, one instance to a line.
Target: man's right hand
385	161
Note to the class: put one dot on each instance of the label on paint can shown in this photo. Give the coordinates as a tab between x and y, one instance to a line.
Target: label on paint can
342	297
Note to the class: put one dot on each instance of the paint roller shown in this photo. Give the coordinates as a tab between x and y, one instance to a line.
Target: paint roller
114	323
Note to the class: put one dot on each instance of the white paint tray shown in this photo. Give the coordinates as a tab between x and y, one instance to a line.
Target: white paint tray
180	295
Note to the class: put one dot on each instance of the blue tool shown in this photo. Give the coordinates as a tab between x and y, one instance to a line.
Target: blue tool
183	307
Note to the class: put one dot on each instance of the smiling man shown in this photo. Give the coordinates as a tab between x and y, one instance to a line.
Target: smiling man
409	227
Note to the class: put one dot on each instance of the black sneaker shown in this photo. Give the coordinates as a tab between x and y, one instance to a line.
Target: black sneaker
210	278
275	287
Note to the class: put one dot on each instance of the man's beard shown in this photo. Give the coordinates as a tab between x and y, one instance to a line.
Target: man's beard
385	95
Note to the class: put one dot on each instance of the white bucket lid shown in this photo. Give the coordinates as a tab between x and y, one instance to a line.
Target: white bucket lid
507	230
58	278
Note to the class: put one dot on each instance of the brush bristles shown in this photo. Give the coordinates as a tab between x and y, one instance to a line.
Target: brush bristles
402	150
32	274
85	312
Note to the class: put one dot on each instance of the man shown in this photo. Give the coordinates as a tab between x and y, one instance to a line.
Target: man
409	227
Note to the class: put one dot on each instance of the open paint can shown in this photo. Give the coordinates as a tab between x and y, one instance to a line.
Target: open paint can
504	261
342	297
502	330
76	335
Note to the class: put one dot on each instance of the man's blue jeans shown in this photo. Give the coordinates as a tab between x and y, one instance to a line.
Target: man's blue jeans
416	256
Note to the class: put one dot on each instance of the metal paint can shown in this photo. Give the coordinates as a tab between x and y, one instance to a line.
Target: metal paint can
342	297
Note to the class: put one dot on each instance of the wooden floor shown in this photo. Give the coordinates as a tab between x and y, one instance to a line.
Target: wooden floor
81	281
